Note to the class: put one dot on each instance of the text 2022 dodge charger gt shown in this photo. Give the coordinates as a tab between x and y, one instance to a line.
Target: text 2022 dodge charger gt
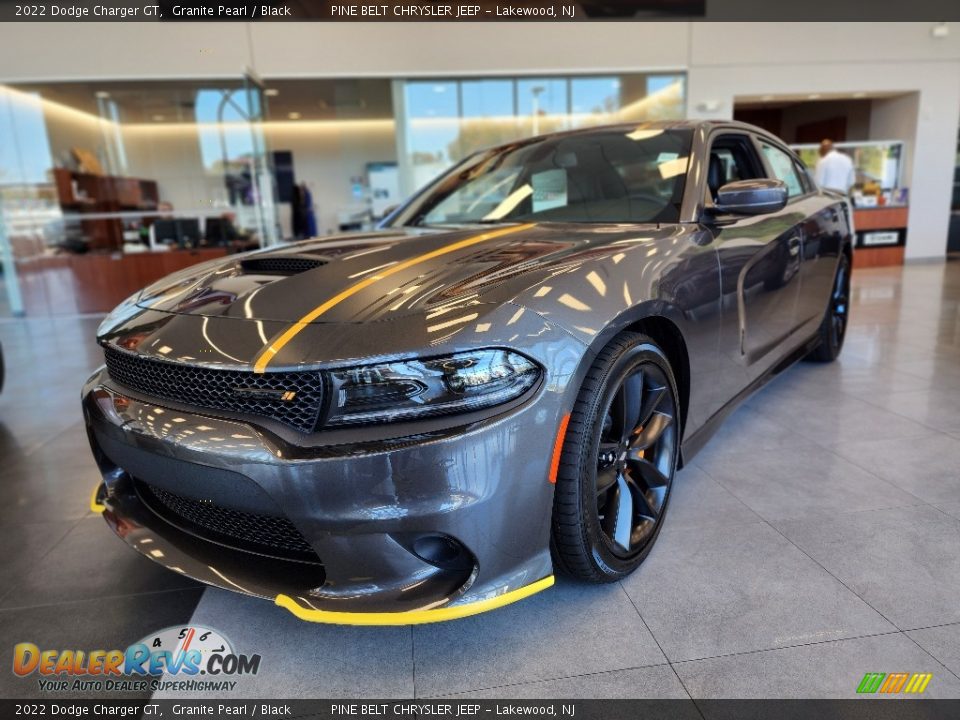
427	421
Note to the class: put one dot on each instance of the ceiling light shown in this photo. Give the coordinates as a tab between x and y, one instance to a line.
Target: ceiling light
768	98
813	96
859	94
102	94
294	116
271	92
158	118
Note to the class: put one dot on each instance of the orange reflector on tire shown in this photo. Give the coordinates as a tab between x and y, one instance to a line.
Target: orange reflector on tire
558	448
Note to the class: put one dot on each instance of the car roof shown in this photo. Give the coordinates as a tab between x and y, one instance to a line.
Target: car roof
692	125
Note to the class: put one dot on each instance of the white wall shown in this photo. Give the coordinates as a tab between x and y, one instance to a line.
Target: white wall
136	51
408	49
722	60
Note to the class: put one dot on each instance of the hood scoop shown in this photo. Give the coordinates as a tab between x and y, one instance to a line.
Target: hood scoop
280	264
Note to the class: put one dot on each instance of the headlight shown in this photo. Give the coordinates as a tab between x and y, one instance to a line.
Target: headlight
423	388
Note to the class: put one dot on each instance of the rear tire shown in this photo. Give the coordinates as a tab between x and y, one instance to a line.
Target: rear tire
833	329
618	461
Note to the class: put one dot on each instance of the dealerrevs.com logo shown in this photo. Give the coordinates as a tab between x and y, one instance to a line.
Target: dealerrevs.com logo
194	658
894	683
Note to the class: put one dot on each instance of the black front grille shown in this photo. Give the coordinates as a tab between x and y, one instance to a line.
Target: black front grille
293	398
280	265
264	534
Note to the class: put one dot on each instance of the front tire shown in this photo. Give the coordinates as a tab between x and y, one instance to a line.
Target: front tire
833	329
618	462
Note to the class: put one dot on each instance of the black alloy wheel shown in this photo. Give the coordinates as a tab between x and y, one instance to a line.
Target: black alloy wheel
833	329
619	458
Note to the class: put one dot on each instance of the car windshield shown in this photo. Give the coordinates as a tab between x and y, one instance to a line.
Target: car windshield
609	176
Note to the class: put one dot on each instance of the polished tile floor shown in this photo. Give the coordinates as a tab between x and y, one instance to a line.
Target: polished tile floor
816	538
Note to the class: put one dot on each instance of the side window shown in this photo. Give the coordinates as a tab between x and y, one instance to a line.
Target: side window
732	158
784	169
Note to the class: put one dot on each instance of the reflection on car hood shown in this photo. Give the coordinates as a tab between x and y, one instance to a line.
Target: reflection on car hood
424	268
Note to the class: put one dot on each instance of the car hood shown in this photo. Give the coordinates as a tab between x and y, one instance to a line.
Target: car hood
376	276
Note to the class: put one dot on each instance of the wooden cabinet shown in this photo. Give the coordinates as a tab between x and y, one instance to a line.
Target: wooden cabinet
881	236
84	194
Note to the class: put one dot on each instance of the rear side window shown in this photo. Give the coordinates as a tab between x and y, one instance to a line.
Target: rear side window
784	169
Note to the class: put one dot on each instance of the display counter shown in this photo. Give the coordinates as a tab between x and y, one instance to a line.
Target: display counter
881	235
66	284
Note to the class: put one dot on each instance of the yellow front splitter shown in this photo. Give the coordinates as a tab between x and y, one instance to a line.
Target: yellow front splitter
95	504
409	617
412	617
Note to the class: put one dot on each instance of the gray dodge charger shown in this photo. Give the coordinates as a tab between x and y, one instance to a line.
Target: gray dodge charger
430	420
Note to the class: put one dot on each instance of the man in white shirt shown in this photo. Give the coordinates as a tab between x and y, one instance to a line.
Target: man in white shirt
834	169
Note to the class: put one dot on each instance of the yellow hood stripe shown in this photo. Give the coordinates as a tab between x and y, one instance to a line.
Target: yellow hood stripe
412	617
276	345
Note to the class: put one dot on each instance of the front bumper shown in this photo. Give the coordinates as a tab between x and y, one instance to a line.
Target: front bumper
364	514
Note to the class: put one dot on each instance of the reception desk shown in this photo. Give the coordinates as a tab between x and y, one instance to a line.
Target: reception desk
881	235
67	284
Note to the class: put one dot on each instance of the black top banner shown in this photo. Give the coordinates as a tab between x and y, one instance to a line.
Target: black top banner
467	709
476	10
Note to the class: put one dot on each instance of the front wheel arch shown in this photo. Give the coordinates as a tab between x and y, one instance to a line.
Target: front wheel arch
582	542
657	320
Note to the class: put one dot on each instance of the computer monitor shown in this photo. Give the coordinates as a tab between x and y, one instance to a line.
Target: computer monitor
188	232
219	231
182	232
165	231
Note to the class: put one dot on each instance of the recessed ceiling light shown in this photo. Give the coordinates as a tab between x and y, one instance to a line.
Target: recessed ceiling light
102	94
294	116
271	92
158	118
813	96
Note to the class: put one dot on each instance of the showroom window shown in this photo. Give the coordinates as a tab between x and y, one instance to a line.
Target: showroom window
101	171
442	121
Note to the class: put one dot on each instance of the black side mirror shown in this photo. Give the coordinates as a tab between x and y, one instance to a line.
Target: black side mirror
751	197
